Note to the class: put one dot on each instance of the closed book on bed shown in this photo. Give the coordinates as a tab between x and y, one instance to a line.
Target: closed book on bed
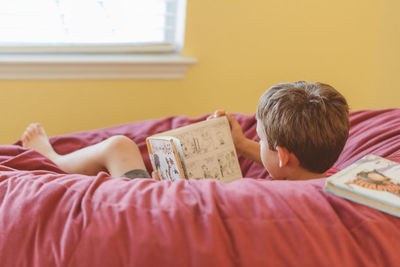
372	180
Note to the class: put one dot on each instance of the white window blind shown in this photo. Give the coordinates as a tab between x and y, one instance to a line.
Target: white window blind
91	25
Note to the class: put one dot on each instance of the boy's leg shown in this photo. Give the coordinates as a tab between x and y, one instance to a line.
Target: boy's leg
117	155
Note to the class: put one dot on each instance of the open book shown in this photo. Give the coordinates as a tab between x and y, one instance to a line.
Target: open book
372	180
200	150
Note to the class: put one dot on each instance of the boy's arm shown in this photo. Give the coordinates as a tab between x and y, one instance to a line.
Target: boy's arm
250	149
244	146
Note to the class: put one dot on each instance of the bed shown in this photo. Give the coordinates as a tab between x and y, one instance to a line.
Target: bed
51	218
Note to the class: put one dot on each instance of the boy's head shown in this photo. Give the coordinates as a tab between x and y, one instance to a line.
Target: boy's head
309	120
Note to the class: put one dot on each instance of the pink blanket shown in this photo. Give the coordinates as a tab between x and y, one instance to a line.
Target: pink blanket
50	218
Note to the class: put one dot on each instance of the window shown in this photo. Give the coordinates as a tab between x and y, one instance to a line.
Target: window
91	32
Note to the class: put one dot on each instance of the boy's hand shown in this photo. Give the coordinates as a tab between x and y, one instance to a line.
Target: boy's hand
236	130
216	114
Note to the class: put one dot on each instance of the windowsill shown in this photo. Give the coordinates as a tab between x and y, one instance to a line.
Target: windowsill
92	66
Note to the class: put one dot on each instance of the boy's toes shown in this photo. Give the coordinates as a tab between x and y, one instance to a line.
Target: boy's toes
24	138
39	128
32	130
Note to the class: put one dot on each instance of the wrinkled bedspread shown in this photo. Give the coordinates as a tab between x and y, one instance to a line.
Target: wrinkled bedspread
50	218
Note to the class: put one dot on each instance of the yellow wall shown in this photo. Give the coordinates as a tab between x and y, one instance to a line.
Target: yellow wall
243	48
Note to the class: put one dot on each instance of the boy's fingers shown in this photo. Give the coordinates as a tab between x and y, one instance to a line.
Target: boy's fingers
155	175
216	114
219	113
232	120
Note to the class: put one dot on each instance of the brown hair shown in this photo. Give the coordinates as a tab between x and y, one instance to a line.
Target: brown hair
309	119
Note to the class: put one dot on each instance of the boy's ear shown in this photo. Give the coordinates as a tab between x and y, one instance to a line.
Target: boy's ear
283	155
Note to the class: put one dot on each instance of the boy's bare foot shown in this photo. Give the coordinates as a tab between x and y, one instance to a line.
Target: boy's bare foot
35	137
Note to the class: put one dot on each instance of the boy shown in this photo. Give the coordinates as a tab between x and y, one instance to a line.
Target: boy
118	155
302	128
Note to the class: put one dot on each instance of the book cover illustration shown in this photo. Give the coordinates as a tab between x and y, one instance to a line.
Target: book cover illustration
165	158
208	150
373	177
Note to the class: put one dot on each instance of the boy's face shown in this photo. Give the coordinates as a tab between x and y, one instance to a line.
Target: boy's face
269	157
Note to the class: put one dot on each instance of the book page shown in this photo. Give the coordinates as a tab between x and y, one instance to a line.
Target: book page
164	158
208	150
373	177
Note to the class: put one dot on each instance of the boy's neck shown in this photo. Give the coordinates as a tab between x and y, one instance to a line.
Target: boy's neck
303	174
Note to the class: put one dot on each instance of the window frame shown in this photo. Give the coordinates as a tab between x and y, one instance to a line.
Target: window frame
89	66
98	62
